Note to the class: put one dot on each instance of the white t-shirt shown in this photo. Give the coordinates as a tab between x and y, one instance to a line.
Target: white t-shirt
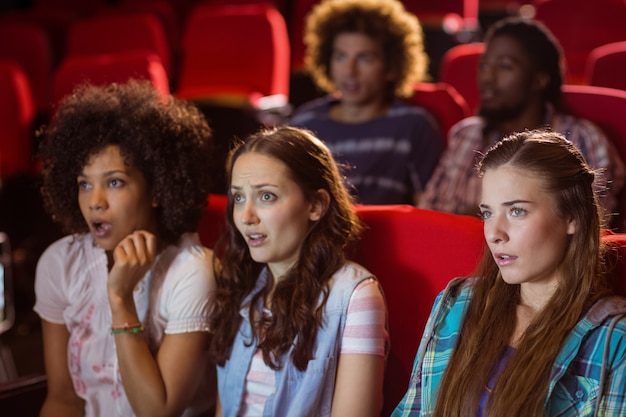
172	298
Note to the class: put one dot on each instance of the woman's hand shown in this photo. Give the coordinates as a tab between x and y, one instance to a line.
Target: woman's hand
132	257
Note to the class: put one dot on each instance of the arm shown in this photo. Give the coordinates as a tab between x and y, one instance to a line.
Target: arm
362	355
61	399
613	396
218	407
161	386
359	386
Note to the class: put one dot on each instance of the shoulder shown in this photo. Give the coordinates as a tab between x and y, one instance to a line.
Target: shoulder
312	110
68	250
346	279
472	124
189	254
577	128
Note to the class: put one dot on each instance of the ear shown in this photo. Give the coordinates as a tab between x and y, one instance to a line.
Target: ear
542	79
319	205
572	226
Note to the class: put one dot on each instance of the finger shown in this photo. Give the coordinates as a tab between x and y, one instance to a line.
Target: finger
145	245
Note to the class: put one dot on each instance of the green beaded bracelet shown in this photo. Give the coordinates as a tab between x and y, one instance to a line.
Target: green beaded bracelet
128	328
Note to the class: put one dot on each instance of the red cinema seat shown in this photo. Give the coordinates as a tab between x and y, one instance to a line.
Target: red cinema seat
109	68
213	223
414	253
606	66
606	108
580	26
459	68
28	45
442	101
616	261
113	33
17	112
234	54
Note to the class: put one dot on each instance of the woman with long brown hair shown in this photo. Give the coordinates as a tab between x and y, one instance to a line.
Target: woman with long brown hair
294	324
538	333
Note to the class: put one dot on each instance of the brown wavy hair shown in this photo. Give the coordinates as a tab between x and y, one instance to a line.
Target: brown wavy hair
522	388
296	308
385	21
166	139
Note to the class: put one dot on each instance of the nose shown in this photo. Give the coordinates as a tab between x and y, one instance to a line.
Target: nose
485	73
351	66
248	213
495	230
97	199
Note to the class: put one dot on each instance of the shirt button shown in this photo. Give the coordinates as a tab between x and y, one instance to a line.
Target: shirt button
580	394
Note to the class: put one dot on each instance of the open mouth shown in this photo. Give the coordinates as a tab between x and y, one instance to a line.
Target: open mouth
100	228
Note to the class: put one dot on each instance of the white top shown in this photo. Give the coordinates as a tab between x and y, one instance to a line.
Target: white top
365	333
172	298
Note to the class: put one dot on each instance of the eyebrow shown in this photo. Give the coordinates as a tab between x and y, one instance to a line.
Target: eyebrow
255	186
507	203
107	173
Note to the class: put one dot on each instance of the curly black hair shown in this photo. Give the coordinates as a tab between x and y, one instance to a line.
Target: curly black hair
167	139
386	21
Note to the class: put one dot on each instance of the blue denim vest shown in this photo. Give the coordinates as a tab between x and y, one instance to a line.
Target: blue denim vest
296	393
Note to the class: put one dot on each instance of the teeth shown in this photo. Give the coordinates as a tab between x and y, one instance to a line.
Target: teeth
256	236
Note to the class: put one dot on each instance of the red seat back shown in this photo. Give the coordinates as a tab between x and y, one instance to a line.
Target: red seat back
28	45
442	101
17	112
112	33
414	253
580	26
239	50
109	68
616	261
459	68
605	107
606	66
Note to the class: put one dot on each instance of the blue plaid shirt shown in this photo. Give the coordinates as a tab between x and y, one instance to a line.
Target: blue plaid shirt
575	382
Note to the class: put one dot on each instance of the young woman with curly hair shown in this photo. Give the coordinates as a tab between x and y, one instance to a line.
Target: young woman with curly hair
124	298
295	325
367	55
538	333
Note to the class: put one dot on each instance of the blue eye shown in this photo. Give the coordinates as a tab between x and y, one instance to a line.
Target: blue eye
484	215
517	211
237	198
267	196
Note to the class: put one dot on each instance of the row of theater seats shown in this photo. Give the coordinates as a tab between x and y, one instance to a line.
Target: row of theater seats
414	253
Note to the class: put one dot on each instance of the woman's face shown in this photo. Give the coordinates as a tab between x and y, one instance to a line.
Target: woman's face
525	235
270	210
114	198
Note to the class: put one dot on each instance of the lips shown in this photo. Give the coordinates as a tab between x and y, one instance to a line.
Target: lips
100	228
255	239
503	259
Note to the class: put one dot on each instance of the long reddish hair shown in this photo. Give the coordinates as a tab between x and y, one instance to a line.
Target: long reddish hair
296	308
522	388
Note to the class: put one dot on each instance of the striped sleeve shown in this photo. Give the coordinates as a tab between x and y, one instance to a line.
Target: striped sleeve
366	331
